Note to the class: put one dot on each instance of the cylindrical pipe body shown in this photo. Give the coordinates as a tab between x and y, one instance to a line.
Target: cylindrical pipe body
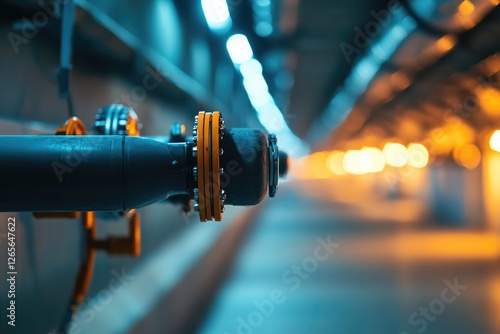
88	173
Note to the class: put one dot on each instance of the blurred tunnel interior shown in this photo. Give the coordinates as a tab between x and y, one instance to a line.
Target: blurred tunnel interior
386	216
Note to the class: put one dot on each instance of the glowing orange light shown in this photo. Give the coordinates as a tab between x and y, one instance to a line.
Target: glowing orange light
377	159
446	43
357	162
395	154
418	156
335	162
426	246
492	63
495	141
318	165
489	99
400	80
437	246
466	8
491	189
455	133
469	156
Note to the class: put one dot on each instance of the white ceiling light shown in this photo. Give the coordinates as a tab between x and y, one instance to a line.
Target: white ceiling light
239	49
217	14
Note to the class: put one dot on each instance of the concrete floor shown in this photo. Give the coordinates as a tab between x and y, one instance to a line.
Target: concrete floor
380	275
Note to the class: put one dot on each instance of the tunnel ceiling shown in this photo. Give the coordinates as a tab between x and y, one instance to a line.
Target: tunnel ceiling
313	55
318	66
461	89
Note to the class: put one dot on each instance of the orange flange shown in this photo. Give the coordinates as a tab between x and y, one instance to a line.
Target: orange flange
215	175
207	157
208	164
201	169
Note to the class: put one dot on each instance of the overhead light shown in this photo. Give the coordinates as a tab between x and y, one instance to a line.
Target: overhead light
468	156
489	99
268	113
446	43
255	85
466	8
250	68
357	162
263	17
495	141
396	154
335	162
377	159
258	101
418	155
239	49
264	29
217	14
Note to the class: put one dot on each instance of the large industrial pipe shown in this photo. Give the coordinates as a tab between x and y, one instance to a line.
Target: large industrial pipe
88	173
49	173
